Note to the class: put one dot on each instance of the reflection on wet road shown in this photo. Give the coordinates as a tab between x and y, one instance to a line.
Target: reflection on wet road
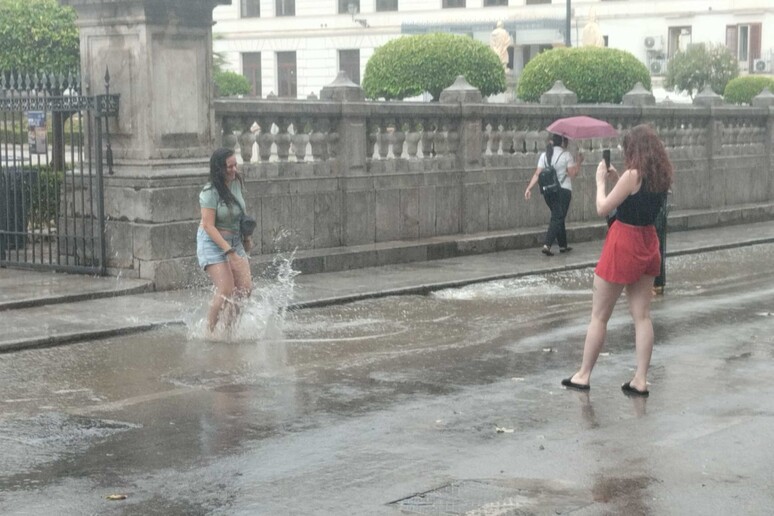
440	404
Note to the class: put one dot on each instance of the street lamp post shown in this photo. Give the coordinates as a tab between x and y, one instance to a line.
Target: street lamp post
567	28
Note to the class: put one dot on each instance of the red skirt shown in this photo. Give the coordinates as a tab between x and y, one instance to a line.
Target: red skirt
629	253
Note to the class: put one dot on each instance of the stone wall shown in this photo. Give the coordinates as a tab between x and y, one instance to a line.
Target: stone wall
327	174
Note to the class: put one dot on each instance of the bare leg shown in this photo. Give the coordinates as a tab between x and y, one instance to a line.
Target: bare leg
603	301
640	295
223	280
243	287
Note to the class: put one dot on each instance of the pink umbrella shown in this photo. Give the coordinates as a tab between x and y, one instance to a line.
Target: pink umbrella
582	127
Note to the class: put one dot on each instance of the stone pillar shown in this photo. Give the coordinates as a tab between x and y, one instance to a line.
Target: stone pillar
159	54
707	97
559	95
638	96
358	193
474	213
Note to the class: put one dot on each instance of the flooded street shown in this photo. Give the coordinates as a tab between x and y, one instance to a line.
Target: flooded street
441	404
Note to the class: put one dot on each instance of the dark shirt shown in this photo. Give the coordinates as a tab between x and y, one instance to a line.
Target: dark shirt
641	208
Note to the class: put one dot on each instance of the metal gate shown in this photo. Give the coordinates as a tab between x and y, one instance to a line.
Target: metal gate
52	212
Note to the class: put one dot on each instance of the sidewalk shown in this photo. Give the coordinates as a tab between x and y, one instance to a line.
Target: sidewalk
40	309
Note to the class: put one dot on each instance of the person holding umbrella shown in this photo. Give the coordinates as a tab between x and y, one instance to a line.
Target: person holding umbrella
630	258
558	202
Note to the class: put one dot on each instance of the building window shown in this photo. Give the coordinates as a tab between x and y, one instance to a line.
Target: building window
349	6
349	63
286	74
449	4
535	2
251	69
744	41
251	8
494	3
386	5
286	7
678	41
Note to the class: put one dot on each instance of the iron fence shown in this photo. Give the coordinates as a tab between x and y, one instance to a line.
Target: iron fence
52	136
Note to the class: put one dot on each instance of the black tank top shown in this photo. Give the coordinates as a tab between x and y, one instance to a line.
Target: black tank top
641	208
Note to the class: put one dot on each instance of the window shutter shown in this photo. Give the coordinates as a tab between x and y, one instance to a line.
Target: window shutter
755	41
732	35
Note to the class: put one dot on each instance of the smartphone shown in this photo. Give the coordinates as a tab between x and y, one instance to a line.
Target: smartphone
606	157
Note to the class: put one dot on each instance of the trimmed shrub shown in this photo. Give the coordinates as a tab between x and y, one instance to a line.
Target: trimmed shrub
411	65
699	66
228	84
596	75
743	89
38	35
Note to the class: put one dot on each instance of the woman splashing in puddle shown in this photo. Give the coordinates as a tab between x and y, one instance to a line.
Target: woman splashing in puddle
219	245
630	257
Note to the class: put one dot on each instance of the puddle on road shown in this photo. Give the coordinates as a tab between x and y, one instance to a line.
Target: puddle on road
495	497
28	442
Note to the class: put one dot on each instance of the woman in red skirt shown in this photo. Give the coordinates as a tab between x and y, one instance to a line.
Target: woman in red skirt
630	257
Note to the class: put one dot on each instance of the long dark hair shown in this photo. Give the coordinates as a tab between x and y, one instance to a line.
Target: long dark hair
644	152
218	175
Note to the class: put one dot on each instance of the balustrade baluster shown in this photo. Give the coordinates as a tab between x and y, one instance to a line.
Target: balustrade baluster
265	140
413	137
399	137
317	139
282	139
427	139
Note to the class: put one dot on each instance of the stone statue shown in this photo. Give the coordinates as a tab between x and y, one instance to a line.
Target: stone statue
500	40
592	35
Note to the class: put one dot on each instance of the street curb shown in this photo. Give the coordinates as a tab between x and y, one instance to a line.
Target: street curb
69	298
72	338
424	289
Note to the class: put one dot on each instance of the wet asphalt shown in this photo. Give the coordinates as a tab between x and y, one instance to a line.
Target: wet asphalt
442	400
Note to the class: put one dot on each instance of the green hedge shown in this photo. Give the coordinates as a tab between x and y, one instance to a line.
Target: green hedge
596	75
17	133
38	35
411	65
743	89
42	188
228	84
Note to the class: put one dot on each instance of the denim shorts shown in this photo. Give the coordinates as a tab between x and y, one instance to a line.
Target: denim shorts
210	253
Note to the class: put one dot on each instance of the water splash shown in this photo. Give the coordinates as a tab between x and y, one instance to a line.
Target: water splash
262	315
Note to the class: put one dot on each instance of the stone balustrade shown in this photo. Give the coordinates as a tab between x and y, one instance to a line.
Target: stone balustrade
340	171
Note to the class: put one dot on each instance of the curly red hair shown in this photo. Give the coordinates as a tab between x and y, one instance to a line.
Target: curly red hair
644	152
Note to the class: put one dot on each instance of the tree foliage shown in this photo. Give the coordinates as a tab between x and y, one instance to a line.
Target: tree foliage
38	35
228	84
743	89
411	65
699	66
596	75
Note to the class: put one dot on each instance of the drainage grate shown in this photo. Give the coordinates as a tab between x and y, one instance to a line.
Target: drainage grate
495	498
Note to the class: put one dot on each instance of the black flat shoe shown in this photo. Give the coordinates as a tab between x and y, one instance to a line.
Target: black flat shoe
546	251
565	249
632	391
568	383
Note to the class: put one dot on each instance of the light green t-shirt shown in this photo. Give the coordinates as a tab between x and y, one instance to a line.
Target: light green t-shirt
225	218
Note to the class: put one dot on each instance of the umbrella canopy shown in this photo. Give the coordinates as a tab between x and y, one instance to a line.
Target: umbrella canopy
582	127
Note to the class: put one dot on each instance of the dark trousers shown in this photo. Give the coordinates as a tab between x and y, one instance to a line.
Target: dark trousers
559	204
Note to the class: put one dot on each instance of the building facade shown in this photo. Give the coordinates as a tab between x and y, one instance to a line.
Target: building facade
292	48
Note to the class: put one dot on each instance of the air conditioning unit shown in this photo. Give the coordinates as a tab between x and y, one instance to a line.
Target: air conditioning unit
657	66
653	43
761	66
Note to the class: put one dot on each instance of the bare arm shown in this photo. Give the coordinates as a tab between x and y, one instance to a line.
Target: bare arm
532	182
573	170
627	184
